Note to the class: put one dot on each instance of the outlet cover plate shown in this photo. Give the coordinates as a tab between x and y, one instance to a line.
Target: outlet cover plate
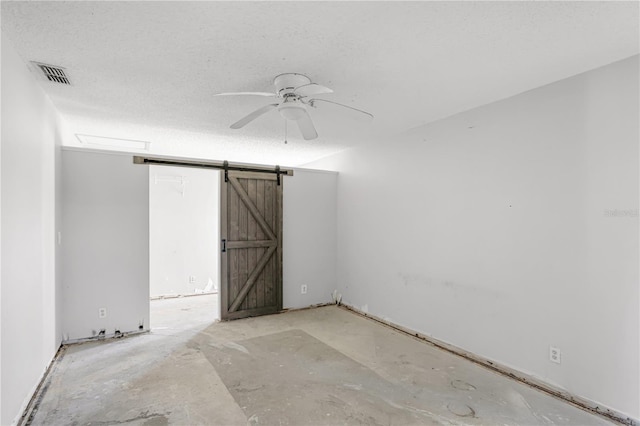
555	355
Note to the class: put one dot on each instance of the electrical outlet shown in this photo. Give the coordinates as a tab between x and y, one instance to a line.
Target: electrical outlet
192	279
102	312
555	355
303	289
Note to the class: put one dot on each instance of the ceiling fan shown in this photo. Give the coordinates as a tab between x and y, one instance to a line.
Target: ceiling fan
294	92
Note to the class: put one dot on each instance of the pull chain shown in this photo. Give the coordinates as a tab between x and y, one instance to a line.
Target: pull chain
285	131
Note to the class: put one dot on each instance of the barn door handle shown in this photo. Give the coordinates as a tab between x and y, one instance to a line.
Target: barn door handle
224	245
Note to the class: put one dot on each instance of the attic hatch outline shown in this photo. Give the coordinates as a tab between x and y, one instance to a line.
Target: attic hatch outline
53	73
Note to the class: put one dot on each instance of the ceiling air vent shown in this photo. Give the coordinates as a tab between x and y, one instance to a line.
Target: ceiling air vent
53	73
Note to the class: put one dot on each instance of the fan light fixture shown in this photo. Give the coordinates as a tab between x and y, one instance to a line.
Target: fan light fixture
291	111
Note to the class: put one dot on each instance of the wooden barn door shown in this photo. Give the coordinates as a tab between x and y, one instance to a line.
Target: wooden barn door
251	232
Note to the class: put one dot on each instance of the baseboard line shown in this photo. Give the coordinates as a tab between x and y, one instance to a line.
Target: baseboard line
32	407
317	305
577	401
27	415
178	296
99	338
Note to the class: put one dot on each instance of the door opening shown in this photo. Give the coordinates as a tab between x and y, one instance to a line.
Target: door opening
184	261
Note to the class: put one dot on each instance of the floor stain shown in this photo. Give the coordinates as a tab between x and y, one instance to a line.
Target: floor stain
462	385
153	419
461	410
156	421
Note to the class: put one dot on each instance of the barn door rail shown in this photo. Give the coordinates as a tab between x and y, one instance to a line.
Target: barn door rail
224	165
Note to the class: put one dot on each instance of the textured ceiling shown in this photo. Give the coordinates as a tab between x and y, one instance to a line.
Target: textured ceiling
148	70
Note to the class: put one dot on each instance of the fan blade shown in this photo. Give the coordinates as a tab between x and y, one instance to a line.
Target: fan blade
255	114
306	127
311	89
246	93
363	114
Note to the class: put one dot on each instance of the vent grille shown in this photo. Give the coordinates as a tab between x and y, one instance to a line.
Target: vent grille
54	74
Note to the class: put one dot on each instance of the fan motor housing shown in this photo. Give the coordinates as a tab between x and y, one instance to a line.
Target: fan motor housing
287	83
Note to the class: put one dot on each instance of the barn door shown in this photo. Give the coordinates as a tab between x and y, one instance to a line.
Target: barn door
251	232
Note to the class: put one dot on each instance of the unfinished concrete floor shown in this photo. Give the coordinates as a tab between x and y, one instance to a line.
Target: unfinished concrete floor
323	366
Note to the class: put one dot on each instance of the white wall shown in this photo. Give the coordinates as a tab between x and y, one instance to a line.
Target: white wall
184	229
29	338
309	237
105	243
509	228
